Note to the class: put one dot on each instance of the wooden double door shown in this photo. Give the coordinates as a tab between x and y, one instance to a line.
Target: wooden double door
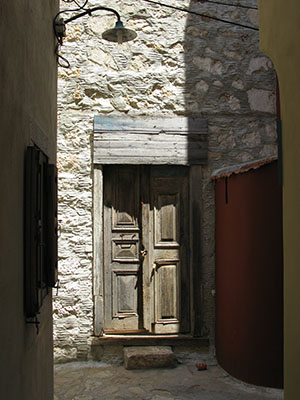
146	249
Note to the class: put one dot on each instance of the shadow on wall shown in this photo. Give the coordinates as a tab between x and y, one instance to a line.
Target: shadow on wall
226	81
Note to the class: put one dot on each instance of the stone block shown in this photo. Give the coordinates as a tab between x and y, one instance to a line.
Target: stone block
138	357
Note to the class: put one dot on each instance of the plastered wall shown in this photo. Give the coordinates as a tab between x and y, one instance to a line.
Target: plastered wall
179	65
27	117
279	30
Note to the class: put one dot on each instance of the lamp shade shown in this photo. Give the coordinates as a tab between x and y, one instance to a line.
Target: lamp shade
119	34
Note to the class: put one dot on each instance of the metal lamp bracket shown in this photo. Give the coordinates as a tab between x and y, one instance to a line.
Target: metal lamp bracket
118	34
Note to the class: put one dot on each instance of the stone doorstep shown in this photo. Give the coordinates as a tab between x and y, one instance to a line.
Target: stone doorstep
141	357
152	340
187	349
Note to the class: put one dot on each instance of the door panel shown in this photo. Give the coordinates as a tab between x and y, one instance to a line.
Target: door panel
125	193
166	219
121	248
124	290
146	208
168	249
167	292
125	249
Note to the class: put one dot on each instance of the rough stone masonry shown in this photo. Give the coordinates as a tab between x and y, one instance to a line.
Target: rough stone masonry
179	65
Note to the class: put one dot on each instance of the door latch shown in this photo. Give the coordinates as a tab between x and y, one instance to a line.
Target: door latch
143	253
154	268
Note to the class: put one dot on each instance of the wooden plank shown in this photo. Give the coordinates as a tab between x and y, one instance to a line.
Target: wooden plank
98	250
151	135
177	141
195	234
108	185
149	153
185	303
98	315
117	144
188	150
148	160
165	156
98	230
150	124
146	152
135	135
146	234
145	155
125	332
128	142
152	340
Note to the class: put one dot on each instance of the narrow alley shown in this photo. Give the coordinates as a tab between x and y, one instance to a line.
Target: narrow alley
96	380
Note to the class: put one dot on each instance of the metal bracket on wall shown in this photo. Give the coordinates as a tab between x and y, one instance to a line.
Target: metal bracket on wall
36	322
57	287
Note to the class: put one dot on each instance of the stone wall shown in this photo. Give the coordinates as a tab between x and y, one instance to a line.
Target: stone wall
179	64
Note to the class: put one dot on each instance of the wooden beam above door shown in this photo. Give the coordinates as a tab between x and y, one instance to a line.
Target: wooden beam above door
145	140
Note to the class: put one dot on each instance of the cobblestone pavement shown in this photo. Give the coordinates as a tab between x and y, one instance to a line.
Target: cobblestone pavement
95	381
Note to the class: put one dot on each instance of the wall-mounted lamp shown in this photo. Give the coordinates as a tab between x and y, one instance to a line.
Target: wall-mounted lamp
118	34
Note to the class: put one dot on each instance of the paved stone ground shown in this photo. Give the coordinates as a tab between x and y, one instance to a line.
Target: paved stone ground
95	381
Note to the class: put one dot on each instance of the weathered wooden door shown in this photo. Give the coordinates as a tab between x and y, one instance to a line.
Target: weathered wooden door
146	242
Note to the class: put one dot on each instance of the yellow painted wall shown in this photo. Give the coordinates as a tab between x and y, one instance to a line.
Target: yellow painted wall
279	23
27	116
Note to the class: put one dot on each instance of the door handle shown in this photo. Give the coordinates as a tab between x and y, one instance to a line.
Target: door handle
153	270
144	253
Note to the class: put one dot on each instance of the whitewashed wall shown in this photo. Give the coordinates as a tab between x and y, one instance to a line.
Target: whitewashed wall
178	65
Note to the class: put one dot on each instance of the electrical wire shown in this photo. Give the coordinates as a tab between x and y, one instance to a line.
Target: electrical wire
79	7
201	15
227	4
65	63
70	10
76	2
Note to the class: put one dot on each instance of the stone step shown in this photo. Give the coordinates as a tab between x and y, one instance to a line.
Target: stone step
152	340
141	357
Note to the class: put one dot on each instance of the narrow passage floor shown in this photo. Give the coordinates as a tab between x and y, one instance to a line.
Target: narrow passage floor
99	381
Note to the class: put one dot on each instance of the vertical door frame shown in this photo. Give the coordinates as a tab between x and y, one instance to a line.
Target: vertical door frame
196	209
145	218
196	279
98	254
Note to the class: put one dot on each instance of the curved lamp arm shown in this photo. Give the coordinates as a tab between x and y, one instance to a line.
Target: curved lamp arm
89	12
117	34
